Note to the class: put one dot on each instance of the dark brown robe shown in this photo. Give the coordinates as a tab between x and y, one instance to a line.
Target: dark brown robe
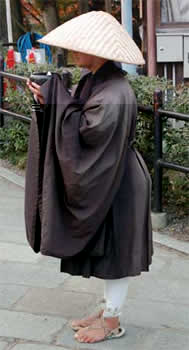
87	189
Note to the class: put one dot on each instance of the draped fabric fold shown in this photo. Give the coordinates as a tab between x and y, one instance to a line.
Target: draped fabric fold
75	177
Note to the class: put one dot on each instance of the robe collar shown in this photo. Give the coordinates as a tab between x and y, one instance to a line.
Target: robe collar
106	70
89	80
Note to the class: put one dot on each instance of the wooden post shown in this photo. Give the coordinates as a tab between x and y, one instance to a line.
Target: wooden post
84	7
108	6
151	38
140	9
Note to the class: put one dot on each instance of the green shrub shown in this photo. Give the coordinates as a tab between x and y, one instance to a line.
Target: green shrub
14	138
175	140
180	102
176	193
19	100
176	145
144	87
176	184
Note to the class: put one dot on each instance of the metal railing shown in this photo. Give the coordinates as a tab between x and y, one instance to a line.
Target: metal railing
159	163
3	111
158	113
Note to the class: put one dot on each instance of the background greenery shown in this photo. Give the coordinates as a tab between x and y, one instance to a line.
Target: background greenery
175	140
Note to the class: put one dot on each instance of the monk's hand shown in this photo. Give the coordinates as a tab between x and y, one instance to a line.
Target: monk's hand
36	91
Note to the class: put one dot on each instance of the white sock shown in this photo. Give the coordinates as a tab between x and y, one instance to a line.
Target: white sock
115	294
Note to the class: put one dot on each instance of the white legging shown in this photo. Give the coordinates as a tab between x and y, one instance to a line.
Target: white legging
115	294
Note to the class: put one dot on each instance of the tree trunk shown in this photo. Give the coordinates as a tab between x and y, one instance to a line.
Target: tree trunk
3	22
17	21
84	6
51	21
50	16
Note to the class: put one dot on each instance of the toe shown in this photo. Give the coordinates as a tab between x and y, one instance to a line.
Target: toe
78	335
81	337
91	340
84	339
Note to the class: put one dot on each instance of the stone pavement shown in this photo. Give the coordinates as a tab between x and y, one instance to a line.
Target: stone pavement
37	301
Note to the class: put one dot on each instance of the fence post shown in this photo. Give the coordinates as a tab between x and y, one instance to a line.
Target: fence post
1	90
60	60
158	152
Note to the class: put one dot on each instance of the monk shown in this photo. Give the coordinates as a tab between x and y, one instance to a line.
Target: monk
87	188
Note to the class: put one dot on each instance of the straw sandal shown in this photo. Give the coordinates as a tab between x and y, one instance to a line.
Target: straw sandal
76	325
108	333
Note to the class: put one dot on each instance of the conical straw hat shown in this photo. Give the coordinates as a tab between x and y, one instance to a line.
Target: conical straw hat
96	33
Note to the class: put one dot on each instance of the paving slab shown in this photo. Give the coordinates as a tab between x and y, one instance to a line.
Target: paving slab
10	294
179	269
11	191
171	242
85	285
11	177
167	339
3	345
160	290
49	261
17	252
10	234
30	327
55	301
32	275
35	347
164	252
159	264
156	314
171	266
37	301
133	339
12	218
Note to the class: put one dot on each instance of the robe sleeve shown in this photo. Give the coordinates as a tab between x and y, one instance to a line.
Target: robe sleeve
89	150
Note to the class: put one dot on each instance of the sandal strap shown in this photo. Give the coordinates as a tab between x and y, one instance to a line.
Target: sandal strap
76	323
107	331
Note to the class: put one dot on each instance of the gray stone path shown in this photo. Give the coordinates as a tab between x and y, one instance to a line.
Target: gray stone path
37	301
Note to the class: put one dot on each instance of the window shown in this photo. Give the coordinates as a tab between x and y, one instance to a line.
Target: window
174	11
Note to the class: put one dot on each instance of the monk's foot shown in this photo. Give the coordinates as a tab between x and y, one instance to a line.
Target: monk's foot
85	322
100	330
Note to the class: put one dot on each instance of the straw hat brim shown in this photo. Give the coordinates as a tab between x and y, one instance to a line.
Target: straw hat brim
96	33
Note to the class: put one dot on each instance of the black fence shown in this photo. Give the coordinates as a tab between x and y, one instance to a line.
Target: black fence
158	113
4	112
159	163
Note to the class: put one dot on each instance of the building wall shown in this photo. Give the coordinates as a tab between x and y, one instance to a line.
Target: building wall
166	27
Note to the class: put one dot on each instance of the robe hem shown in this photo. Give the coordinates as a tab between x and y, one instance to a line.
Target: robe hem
108	277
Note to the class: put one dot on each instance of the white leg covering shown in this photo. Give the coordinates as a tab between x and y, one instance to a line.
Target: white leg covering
115	293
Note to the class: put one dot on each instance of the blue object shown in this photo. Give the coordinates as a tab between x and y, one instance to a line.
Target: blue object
127	14
25	43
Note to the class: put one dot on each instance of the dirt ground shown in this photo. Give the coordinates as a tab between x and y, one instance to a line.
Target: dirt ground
178	228
4	163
